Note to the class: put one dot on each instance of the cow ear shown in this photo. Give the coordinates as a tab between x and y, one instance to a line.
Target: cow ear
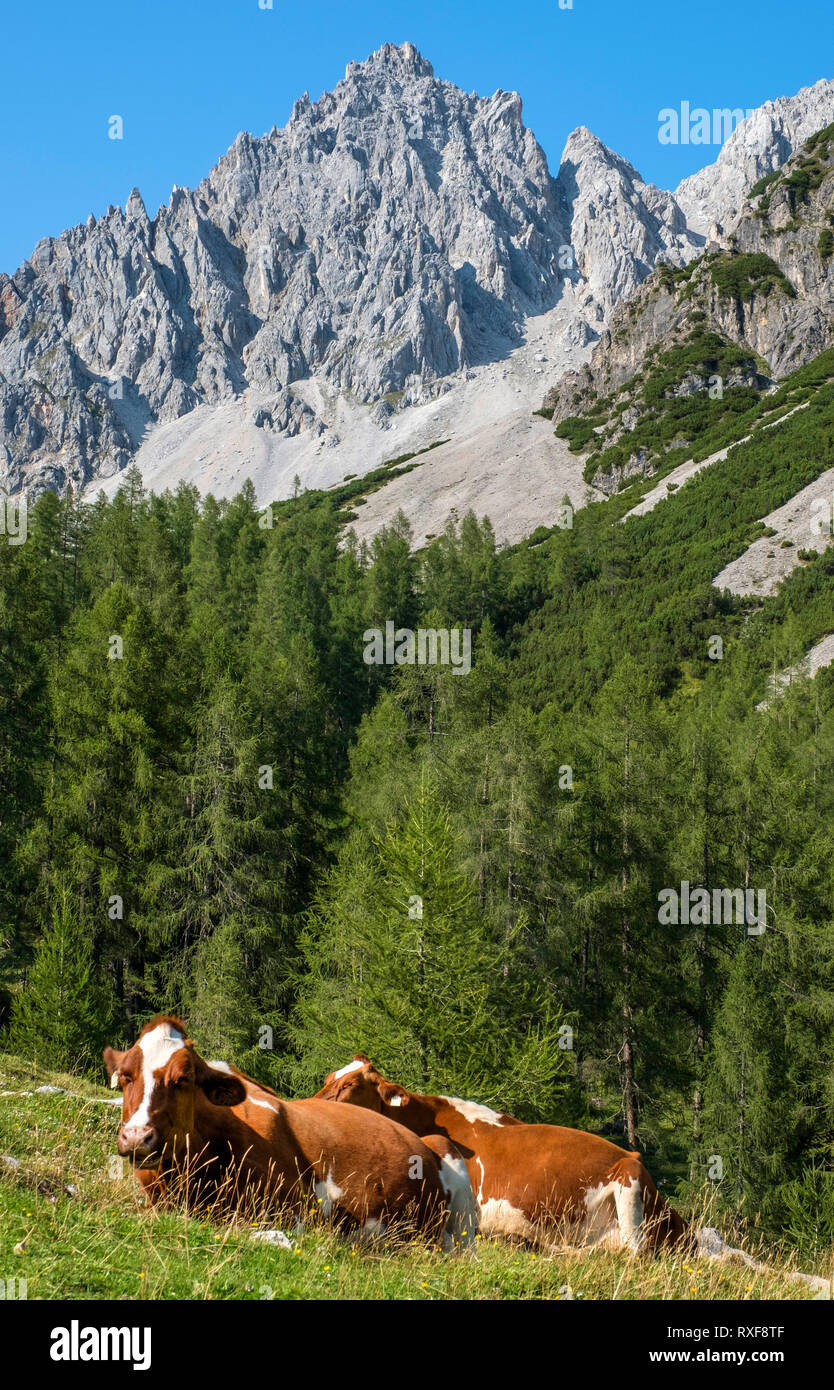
361	1057
393	1094
113	1060
219	1087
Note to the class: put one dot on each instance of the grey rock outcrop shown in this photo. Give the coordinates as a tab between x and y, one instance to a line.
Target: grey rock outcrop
393	237
759	144
394	233
619	225
784	318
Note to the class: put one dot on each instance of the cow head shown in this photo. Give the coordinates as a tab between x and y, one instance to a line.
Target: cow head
165	1084
359	1083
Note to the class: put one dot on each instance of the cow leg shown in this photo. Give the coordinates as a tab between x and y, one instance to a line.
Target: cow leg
153	1185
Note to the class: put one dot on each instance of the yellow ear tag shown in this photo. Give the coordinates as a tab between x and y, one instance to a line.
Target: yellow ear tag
114	1081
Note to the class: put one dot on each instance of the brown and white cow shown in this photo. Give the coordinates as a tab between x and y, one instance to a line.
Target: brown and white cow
529	1180
207	1132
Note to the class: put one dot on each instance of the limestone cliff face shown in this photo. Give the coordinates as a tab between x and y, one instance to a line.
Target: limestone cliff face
761	143
393	234
619	225
780	308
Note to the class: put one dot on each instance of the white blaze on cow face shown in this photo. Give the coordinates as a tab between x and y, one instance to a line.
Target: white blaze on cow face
473	1112
345	1071
157	1048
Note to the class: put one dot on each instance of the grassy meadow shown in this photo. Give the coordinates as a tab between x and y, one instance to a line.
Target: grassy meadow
73	1225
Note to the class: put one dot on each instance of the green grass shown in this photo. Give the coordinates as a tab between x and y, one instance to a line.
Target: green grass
103	1243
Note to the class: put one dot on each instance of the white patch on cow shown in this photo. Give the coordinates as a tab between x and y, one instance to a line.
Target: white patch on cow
222	1066
396	1100
483	1175
373	1227
473	1112
345	1071
614	1216
157	1048
264	1104
629	1202
500	1217
463	1221
328	1192
600	1225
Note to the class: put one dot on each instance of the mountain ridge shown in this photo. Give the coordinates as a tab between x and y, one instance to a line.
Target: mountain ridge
323	290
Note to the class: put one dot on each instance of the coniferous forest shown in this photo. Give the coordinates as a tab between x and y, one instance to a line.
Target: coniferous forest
211	805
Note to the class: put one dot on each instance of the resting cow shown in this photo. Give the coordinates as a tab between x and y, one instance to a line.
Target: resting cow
529	1180
207	1132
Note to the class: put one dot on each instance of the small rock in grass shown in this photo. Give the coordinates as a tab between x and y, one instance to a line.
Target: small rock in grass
274	1238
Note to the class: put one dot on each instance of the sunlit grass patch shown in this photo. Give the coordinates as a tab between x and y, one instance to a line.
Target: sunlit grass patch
74	1225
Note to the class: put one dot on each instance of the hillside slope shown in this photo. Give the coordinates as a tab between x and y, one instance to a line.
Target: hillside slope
72	1225
715	334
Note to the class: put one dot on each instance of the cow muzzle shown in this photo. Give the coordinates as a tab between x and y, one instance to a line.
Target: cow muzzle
138	1143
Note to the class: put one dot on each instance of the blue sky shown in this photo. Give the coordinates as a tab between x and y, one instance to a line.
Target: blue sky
187	76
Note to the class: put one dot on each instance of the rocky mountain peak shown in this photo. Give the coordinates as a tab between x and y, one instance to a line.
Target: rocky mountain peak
392	60
395	236
760	143
619	225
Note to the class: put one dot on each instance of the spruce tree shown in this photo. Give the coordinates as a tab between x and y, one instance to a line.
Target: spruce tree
63	1016
400	963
